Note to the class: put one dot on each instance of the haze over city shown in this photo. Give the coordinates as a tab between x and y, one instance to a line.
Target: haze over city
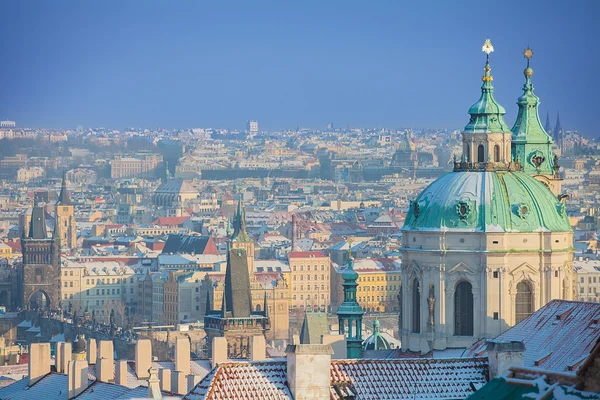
299	200
385	64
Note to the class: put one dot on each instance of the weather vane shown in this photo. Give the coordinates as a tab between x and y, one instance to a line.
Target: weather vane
487	48
528	53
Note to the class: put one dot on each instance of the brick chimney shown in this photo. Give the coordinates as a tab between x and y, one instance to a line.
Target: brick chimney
77	377
39	361
308	373
143	358
502	355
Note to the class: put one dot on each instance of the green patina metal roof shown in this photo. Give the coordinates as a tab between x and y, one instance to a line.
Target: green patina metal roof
500	389
478	201
486	113
532	144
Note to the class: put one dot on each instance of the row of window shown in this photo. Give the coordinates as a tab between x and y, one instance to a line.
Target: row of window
379	278
372	288
308	268
316	287
316	277
582	290
590	279
463	306
308	296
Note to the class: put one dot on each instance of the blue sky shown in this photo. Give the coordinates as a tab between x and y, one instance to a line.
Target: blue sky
286	63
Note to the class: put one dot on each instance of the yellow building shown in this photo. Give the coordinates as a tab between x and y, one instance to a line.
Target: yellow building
310	280
378	284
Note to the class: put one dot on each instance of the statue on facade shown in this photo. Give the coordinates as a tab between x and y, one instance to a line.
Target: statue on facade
431	306
400	312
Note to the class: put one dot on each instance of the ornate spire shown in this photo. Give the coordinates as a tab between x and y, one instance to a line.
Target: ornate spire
547	126
532	144
64	199
239	224
486	113
350	312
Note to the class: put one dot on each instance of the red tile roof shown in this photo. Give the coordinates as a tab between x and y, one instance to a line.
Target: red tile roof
170	221
365	379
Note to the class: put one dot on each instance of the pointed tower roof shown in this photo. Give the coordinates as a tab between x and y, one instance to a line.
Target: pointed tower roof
64	199
528	126
487	114
239	224
547	126
558	127
37	227
237	300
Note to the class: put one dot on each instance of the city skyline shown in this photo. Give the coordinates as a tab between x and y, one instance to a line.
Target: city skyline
286	65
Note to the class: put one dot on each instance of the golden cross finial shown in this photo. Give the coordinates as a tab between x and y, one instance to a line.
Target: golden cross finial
528	53
487	47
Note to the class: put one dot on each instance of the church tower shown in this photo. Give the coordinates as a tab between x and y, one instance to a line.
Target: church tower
350	313
65	217
40	275
486	245
241	239
532	145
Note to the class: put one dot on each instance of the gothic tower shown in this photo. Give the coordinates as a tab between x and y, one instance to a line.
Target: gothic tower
65	217
531	144
40	276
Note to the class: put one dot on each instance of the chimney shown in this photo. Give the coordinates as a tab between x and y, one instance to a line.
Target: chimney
77	378
106	350
39	361
91	351
294	234
104	369
258	348
182	355
143	358
121	372
219	350
58	363
179	383
66	354
164	374
296	339
338	344
192	381
504	354
308	374
153	385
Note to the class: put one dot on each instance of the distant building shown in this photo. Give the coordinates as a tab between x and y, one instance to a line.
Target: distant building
127	167
252	127
8	124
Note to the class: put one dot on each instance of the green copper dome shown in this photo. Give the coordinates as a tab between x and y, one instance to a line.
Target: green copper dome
479	201
487	115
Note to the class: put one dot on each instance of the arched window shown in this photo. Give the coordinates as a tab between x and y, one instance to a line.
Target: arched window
497	153
416	309
523	301
480	153
463	309
468	153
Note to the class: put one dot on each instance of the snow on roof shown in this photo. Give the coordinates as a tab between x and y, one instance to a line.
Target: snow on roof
557	337
306	254
586	266
364	379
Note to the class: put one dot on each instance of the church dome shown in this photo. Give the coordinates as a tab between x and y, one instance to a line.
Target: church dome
487	201
379	340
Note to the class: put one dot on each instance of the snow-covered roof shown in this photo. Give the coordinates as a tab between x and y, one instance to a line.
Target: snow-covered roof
364	379
557	337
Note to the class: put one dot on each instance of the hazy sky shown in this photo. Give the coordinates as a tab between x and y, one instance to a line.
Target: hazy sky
287	63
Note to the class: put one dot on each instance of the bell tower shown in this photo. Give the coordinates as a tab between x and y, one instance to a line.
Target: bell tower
532	145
